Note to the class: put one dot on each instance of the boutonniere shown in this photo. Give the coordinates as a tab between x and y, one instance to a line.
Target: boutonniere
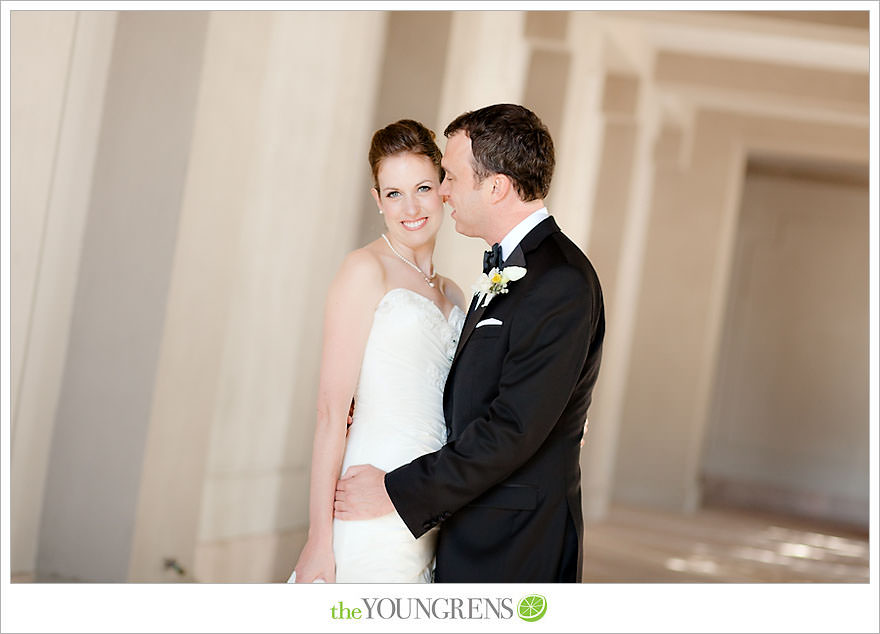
495	282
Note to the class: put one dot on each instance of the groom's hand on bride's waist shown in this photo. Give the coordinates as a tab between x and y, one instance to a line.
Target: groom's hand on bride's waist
361	494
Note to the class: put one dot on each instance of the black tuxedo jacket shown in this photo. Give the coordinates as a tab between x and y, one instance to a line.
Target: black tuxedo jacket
506	486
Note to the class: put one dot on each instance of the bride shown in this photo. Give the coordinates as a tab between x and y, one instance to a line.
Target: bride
391	326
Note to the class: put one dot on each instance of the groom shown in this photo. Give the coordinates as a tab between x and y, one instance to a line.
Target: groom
505	488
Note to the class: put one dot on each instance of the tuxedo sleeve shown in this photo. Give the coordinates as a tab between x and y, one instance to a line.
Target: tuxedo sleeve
548	344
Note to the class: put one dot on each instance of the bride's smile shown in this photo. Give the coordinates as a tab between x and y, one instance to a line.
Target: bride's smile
414	225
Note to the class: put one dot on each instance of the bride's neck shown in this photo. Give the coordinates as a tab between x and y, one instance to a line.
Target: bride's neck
422	257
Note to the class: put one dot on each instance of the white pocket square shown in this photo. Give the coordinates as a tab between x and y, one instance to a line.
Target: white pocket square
489	322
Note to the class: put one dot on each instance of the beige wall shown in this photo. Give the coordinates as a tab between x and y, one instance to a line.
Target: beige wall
789	415
59	63
95	463
231	239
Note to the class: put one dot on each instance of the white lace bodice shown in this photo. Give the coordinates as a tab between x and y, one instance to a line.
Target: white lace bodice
398	417
399	400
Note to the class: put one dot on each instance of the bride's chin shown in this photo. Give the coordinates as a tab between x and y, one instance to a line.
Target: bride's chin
417	237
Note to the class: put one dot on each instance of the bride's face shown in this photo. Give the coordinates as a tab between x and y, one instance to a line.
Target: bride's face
408	198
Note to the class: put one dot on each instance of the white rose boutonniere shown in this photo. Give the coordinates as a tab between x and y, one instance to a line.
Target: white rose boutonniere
495	282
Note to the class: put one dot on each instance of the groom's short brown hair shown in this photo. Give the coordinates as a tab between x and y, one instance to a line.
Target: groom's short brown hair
511	140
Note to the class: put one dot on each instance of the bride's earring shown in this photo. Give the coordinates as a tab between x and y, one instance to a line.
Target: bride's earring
380	212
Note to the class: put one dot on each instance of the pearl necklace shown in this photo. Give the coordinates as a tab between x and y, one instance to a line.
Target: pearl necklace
428	278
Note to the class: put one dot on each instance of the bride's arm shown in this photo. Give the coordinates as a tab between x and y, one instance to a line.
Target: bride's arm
348	316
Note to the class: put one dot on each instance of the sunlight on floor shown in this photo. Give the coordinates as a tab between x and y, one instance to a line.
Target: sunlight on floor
721	545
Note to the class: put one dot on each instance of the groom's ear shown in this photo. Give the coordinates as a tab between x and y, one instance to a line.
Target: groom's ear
500	187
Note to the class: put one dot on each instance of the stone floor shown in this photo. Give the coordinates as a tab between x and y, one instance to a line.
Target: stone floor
722	545
716	545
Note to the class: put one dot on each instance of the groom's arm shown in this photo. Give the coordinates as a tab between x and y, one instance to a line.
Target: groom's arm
549	339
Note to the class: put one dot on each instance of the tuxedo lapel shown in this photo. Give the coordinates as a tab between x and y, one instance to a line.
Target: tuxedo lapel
536	236
517	258
470	322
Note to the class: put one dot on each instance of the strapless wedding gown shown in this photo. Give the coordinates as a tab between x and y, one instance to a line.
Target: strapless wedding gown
398	417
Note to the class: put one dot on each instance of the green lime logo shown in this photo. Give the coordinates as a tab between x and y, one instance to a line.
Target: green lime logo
532	608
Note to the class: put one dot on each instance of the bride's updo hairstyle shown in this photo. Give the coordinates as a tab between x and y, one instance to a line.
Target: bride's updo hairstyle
402	136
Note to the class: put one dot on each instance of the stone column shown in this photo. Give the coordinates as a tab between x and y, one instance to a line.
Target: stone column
119	307
59	63
272	206
617	244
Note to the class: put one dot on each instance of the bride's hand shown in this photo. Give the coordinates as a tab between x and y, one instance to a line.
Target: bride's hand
316	562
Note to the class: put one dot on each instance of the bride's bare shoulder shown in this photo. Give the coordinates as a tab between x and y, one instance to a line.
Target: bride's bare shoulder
361	269
454	293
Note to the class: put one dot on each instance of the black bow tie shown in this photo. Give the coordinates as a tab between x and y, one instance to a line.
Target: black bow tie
492	259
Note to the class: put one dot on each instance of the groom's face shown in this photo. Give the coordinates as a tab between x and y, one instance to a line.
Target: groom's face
464	194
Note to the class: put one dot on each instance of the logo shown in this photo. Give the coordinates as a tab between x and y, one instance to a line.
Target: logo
532	608
440	608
